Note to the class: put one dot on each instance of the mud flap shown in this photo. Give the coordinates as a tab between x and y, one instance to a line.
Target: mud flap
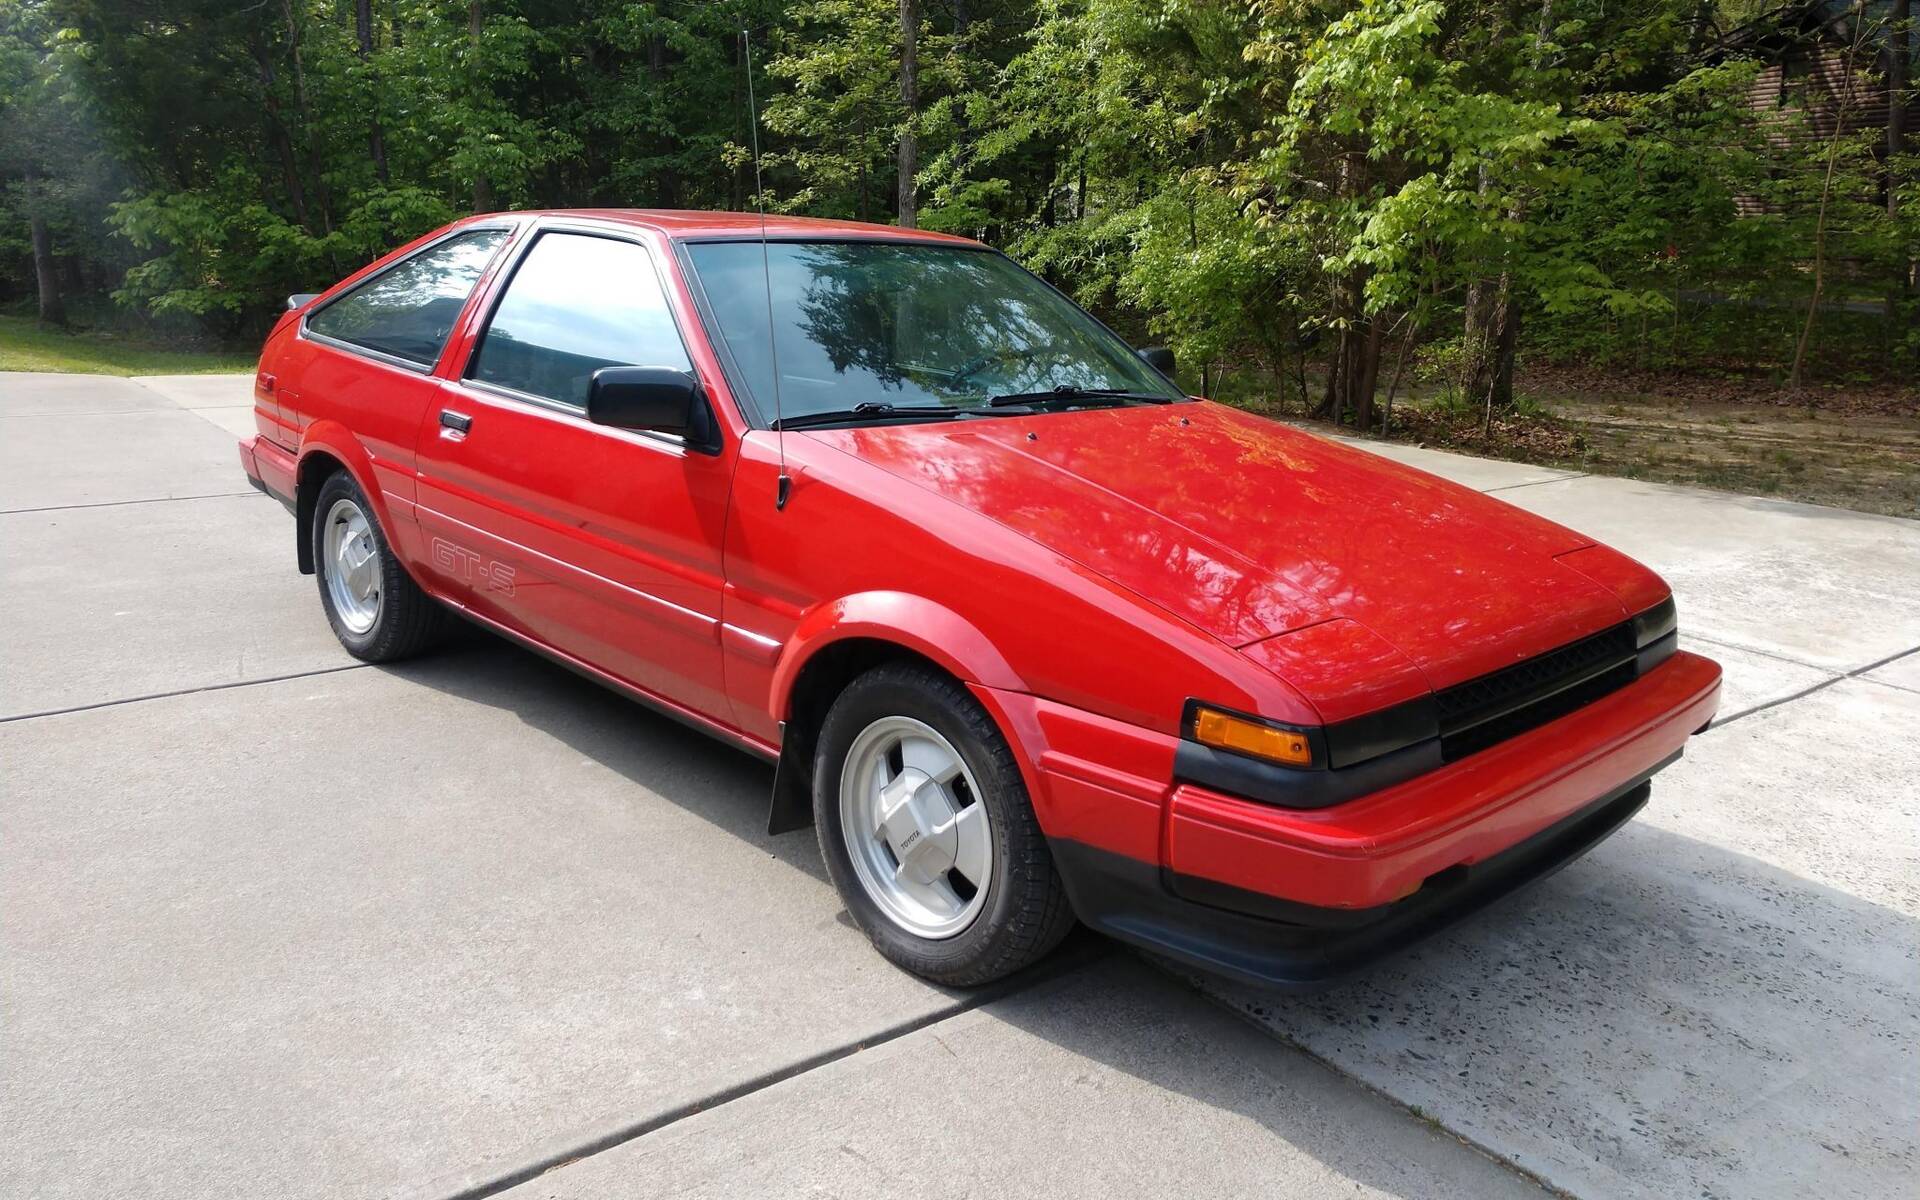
791	806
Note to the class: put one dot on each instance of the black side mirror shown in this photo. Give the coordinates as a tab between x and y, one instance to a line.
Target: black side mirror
1158	357
656	399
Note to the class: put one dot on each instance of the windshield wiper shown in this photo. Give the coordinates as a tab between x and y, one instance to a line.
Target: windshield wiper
1068	393
869	409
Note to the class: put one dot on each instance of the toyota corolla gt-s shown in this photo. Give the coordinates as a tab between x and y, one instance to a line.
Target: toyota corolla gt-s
1030	635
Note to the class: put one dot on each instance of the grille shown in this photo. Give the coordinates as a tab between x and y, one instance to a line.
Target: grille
1512	700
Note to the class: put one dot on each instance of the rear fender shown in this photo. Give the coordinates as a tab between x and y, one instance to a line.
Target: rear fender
320	441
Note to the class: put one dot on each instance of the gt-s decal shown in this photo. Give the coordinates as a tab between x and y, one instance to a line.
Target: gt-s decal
472	567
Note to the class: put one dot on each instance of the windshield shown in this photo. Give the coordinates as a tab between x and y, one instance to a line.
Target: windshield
904	325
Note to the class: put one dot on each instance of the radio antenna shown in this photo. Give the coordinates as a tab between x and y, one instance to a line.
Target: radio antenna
785	485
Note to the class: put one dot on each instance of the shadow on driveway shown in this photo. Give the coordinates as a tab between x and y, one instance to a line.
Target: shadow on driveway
1666	1014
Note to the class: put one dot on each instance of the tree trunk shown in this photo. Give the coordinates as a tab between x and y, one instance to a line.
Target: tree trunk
1359	351
476	22
1701	27
736	186
277	132
1506	337
669	189
1899	71
1368	375
1798	374
304	109
376	137
53	308
1492	316
1508	350
1333	400
1899	78
910	103
1477	322
1399	368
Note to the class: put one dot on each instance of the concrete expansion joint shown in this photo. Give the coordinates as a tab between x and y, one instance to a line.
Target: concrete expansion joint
192	691
8	512
90	412
1508	487
1050	972
1692	635
1823	685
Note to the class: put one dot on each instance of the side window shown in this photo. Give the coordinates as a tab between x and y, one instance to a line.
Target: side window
408	310
575	304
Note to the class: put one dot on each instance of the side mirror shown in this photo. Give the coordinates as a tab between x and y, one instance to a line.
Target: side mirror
1158	357
655	399
300	300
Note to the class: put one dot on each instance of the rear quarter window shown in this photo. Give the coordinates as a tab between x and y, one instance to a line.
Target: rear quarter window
408	310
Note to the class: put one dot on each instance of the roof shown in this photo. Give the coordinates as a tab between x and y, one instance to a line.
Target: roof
683	223
1839	22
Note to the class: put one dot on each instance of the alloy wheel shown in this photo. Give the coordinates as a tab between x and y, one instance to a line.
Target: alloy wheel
352	566
916	830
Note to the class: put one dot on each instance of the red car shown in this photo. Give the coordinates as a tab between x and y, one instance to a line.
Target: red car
1031	635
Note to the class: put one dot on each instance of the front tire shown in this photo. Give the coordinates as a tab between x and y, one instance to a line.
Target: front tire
376	609
928	832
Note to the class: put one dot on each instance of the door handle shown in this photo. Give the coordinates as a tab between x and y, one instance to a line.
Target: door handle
458	422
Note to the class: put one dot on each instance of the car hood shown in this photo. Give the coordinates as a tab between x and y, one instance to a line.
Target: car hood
1249	529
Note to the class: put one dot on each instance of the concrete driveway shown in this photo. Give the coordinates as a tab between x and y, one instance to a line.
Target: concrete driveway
276	923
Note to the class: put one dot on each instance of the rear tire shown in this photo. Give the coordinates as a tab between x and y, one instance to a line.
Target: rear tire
376	609
928	832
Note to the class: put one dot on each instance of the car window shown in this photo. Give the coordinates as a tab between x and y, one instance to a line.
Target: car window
408	311
575	304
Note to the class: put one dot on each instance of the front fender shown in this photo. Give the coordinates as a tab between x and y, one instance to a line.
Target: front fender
915	623
929	629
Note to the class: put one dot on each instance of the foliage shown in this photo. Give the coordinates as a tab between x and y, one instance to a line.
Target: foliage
1281	188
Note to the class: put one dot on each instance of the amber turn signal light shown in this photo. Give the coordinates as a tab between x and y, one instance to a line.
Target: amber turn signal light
1225	731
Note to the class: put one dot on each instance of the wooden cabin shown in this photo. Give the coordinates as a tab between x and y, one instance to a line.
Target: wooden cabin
1825	69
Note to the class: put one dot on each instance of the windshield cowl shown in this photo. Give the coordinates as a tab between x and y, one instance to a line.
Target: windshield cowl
1067	395
878	413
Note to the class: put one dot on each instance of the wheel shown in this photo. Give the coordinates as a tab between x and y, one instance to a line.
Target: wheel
928	833
376	609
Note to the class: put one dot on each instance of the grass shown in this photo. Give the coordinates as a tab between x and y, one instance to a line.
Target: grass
24	346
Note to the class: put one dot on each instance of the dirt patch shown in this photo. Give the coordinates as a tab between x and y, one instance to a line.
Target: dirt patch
1855	448
1855	458
1710	385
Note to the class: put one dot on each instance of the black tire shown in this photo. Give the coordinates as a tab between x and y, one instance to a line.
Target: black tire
1026	912
408	620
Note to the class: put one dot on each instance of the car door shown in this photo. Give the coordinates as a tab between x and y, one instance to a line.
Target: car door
602	544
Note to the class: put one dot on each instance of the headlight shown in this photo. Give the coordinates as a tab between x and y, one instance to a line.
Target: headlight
1655	623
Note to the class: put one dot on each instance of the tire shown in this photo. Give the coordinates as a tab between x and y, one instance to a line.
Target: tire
396	620
1021	913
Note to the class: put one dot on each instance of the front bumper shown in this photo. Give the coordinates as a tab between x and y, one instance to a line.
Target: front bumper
1273	943
1288	896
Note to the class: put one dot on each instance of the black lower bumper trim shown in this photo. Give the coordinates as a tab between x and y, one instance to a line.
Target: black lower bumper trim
1263	940
260	485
